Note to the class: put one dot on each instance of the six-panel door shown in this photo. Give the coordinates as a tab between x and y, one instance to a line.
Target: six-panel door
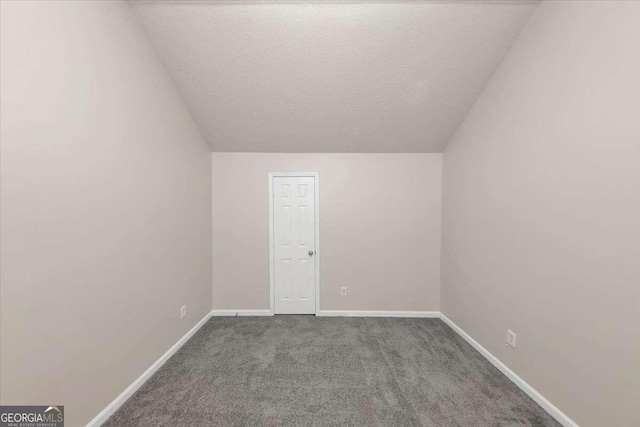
294	245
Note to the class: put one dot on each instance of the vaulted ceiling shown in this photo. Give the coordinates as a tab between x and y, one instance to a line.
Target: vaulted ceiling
318	76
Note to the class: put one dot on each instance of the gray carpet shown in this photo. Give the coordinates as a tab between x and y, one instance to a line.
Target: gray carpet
319	371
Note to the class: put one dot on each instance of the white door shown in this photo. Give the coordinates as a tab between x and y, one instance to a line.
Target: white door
294	218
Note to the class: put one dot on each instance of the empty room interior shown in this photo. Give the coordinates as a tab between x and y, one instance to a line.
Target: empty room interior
320	213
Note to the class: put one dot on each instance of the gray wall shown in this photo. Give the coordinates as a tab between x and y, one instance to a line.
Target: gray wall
541	208
379	229
106	206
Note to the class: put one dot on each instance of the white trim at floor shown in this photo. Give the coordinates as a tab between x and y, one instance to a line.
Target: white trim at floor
346	313
134	386
549	407
234	313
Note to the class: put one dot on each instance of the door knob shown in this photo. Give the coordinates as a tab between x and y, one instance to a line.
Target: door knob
310	253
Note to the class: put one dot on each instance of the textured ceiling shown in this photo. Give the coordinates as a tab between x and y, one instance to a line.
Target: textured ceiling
331	76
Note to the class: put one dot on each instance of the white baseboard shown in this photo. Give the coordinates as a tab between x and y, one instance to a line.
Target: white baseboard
234	313
332	313
556	413
134	386
346	313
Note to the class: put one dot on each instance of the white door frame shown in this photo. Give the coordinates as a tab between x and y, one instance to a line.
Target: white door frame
272	281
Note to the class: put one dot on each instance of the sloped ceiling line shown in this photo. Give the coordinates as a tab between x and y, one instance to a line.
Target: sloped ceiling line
331	76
